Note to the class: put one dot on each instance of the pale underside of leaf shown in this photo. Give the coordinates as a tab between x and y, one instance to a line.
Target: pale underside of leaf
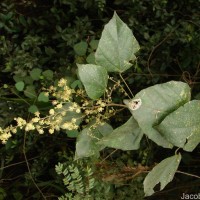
125	137
162	173
156	103
182	127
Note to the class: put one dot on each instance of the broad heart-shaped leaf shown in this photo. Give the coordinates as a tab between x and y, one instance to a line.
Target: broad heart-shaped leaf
35	73
125	137
43	97
48	74
30	92
87	141
94	79
156	103
20	85
162	173
81	48
33	109
182	127
117	46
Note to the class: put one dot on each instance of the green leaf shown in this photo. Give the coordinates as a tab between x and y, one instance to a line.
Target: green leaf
43	97
81	48
156	103
86	144
94	44
33	109
162	173
30	92
76	83
20	86
49	51
105	129
18	195
28	80
125	137
48	74
91	58
72	133
35	74
94	79
18	78
182	127
2	193
117	46
87	141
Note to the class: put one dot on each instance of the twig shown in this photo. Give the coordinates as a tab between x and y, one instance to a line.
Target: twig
126	85
118	105
26	160
154	48
109	155
18	163
188	174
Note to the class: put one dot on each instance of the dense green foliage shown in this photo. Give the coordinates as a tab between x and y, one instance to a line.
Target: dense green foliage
41	41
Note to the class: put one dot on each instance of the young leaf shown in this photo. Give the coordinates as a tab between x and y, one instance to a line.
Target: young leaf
80	48
35	74
125	137
117	46
182	127
153	104
48	74
94	44
94	79
20	86
30	92
72	133
162	173
43	97
33	109
91	58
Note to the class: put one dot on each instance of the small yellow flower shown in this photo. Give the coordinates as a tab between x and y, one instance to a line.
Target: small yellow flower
51	130
14	130
74	120
35	119
62	82
29	127
41	131
37	114
54	102
71	108
20	122
46	94
51	112
59	105
78	110
100	109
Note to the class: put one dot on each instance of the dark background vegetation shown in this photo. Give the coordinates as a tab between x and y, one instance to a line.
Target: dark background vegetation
42	34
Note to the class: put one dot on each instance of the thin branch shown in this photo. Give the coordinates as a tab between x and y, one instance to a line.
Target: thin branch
118	105
109	155
20	97
126	84
154	48
18	163
188	174
28	167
